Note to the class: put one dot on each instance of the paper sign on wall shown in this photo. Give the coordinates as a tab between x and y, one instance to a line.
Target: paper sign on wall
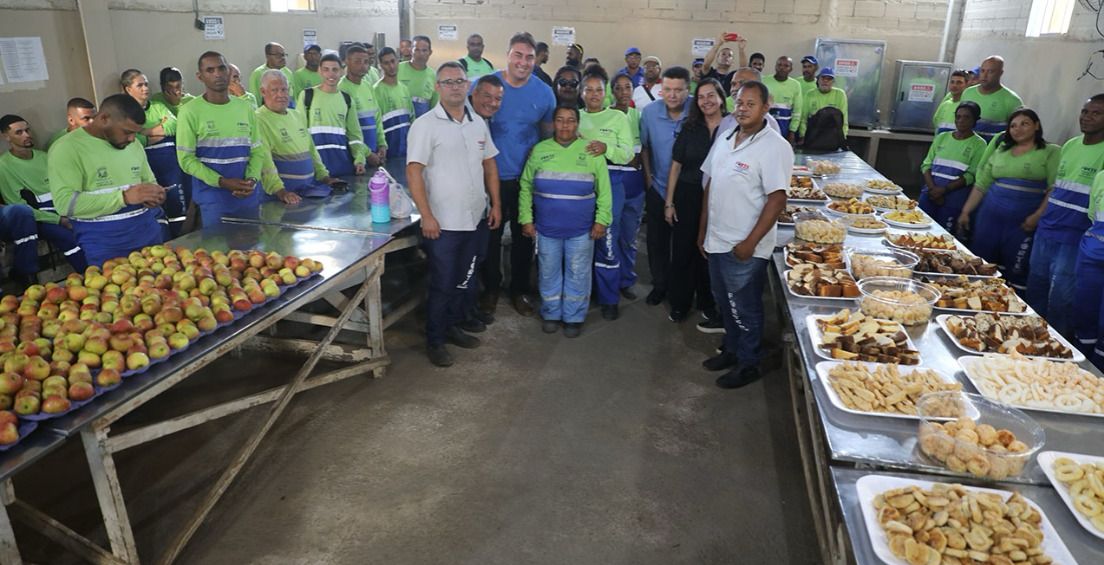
310	37
921	92
448	32
699	47
23	59
563	35
213	28
847	67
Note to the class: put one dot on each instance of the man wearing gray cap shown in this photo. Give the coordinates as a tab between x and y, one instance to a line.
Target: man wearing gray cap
651	89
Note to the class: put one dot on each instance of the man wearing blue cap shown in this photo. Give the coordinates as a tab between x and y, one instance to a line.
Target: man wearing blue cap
632	68
809	66
825	107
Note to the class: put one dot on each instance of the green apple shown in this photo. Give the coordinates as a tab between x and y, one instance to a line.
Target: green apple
10	383
88	358
178	341
37	369
27	405
137	361
80	373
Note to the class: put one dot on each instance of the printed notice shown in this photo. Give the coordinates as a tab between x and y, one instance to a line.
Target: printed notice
563	35
448	32
23	59
310	37
847	67
921	92
699	47
213	28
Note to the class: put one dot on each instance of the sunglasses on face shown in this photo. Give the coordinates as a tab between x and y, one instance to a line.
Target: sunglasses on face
567	83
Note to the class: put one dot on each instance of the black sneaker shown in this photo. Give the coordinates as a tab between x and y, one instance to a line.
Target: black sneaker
488	302
486	317
655	296
677	316
460	339
550	326
573	330
737	378
610	311
439	356
473	326
711	326
628	293
720	362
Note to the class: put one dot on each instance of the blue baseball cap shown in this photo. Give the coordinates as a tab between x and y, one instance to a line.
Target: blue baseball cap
810	59
976	71
631	51
826	72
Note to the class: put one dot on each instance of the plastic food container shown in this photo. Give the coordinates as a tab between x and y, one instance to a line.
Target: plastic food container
986	440
866	263
899	299
816	228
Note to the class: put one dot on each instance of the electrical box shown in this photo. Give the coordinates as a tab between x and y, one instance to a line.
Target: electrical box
857	64
921	86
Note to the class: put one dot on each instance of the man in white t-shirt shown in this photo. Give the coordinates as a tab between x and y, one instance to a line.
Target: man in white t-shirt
749	169
652	89
451	171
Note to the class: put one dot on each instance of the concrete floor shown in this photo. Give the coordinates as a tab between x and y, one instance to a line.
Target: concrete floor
614	448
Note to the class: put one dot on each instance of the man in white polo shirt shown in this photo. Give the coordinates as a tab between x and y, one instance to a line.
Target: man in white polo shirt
451	171
749	170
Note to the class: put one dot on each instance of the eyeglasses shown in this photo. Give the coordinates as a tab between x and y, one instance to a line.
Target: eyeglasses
568	83
452	82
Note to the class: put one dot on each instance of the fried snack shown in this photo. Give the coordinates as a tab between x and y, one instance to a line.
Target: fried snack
1085	482
984	295
914	240
825	256
979	449
853	336
1027	335
843	190
884	389
787	215
888	202
809	193
1037	383
851	206
953	263
865	265
800	182
814	281
883	185
866	223
822	167
949	524
820	231
914	217
903	306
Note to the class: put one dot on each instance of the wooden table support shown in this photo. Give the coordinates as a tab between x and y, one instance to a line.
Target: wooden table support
246	452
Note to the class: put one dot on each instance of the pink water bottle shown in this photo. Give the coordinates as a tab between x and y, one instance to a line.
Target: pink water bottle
380	197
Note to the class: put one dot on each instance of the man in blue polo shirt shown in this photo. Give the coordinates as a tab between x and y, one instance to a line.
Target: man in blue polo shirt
658	125
524	119
632	68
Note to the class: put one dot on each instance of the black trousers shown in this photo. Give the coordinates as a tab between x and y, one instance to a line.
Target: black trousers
688	277
659	240
521	247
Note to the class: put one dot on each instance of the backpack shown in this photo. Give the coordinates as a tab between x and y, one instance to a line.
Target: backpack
308	97
464	63
824	131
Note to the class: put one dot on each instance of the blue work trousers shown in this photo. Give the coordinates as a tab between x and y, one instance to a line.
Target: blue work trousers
738	291
997	236
452	259
17	225
631	214
607	260
65	241
945	214
565	265
1051	283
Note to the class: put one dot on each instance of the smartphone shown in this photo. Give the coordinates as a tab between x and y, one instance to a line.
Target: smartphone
340	186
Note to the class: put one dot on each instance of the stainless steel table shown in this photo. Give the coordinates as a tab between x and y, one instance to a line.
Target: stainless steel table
828	435
1085	547
346	257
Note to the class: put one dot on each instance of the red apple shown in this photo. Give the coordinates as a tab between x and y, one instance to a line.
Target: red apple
108	378
8	417
37	369
81	391
55	405
10	383
9	434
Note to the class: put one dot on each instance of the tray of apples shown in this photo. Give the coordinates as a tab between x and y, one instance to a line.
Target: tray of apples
61	345
12	430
